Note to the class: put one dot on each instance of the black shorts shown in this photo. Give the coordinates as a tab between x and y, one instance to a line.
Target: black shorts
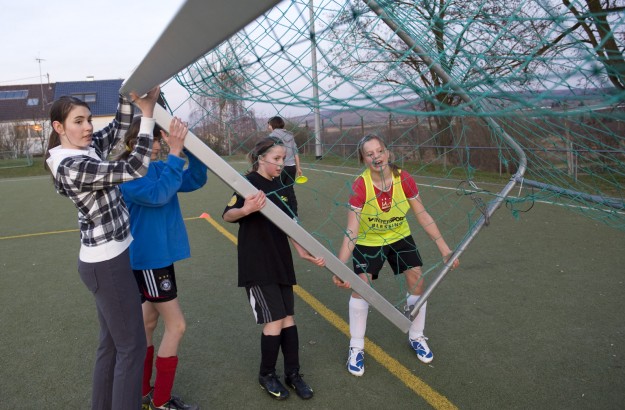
157	285
401	255
271	302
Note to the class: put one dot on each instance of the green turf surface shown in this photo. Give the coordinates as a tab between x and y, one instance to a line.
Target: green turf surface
533	319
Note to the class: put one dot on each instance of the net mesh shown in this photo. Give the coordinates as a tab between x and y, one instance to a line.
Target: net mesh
443	83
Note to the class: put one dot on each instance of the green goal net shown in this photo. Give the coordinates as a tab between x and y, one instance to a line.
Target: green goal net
550	74
488	103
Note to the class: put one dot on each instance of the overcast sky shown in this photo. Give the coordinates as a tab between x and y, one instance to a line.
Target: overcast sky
77	38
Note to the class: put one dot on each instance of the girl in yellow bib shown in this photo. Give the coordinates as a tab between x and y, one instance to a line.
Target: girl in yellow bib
377	231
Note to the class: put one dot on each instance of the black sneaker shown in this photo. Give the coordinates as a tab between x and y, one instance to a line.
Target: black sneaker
145	400
271	383
175	403
298	384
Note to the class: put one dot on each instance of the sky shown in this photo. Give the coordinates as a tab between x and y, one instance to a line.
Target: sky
76	39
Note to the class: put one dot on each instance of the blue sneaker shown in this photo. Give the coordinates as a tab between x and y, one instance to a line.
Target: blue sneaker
356	361
422	349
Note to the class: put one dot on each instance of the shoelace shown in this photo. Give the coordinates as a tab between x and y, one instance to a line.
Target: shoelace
419	339
354	354
296	377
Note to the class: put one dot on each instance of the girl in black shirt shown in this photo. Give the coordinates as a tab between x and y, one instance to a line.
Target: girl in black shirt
266	268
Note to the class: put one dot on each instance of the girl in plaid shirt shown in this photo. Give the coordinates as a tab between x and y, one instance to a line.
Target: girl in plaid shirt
77	159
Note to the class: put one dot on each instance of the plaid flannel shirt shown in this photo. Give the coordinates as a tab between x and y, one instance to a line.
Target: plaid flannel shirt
91	181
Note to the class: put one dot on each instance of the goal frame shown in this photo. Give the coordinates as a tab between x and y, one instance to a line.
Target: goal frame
197	28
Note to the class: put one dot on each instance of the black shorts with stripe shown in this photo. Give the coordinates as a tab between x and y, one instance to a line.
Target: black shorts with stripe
157	285
401	255
271	302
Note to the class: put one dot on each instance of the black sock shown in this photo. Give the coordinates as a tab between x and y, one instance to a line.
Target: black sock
269	350
290	349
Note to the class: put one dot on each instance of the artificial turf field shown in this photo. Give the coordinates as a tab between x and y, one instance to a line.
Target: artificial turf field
533	319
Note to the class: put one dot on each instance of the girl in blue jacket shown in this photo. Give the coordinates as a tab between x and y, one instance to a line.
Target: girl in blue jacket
160	239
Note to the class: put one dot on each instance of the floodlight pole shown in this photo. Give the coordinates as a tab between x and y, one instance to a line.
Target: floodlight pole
43	103
315	82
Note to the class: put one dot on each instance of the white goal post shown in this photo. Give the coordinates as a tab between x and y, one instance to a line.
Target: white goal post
198	27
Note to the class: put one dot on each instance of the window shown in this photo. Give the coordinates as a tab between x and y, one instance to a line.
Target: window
32	102
13	95
87	97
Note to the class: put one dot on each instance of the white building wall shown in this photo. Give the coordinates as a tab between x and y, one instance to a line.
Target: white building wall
33	142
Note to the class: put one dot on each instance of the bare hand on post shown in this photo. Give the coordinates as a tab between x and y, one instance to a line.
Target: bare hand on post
340	283
254	202
178	131
147	102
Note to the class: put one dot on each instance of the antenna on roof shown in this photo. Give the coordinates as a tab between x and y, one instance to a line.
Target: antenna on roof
43	104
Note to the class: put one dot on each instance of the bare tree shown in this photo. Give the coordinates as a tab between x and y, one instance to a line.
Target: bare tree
494	45
596	29
39	131
471	40
14	138
220	84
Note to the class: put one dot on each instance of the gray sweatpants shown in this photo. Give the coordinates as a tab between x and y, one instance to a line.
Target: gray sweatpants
118	371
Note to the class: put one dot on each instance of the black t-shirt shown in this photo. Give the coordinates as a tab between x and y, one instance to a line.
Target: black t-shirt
264	253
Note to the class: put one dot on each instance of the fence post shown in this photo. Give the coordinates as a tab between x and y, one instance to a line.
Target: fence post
307	139
362	126
571	158
341	134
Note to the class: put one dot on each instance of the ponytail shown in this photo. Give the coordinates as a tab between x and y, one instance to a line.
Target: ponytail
53	141
131	137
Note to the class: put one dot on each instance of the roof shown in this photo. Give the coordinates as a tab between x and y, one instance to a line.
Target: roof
24	102
104	92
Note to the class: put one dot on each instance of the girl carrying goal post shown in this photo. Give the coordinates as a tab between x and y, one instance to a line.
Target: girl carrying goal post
378	231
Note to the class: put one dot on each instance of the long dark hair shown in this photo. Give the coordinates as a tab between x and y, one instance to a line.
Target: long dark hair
59	111
361	154
261	148
130	138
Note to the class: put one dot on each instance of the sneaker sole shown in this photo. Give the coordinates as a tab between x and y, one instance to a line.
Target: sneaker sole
356	373
425	360
301	397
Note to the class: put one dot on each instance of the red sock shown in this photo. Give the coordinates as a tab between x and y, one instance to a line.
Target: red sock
165	373
147	370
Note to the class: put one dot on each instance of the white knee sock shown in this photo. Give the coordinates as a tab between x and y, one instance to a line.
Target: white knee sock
358	311
418	325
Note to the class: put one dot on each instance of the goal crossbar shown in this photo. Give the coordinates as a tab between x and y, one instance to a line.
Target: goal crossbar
198	27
